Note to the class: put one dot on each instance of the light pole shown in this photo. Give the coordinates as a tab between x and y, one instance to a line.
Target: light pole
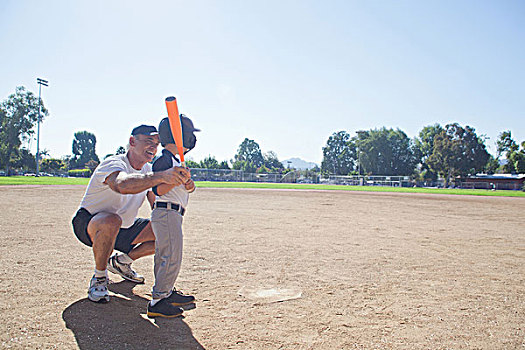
40	82
359	133
358	162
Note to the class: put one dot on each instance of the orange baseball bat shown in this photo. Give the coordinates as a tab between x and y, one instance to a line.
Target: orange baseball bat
175	125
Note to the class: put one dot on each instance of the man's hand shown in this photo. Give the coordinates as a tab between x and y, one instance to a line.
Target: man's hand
176	176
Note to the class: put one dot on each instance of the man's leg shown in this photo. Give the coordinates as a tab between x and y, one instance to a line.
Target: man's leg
146	238
144	244
103	229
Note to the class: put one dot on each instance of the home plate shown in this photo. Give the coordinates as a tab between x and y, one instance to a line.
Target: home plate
269	295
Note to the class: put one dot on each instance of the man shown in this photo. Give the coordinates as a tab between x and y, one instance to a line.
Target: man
106	219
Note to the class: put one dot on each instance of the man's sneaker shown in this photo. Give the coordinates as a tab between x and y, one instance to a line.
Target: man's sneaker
176	298
98	290
124	270
163	309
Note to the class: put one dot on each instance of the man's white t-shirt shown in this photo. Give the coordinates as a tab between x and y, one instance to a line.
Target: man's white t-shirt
99	197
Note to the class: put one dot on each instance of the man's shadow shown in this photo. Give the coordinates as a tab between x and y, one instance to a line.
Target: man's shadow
122	324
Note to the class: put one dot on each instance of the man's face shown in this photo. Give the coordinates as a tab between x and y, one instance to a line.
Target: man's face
145	146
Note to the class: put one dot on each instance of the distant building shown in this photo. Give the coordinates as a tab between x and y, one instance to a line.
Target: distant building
496	181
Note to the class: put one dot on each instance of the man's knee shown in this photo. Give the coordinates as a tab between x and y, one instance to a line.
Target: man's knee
106	224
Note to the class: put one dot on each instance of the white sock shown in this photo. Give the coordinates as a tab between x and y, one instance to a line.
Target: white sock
154	301
124	259
101	273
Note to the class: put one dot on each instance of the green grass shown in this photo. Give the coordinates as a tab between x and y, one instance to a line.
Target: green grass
45	180
42	180
213	184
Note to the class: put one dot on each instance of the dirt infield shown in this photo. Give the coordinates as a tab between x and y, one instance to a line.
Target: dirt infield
356	270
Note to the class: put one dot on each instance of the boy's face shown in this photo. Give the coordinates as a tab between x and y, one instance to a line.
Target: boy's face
173	148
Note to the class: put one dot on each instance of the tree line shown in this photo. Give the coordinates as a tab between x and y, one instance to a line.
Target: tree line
447	151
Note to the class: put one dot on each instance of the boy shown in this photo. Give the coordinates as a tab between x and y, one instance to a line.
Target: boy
166	220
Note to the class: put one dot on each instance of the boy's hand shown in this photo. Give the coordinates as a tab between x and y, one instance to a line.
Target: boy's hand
176	175
184	172
190	185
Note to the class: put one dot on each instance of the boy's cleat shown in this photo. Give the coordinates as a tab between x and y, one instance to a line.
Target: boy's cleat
176	298
124	270
163	309
98	290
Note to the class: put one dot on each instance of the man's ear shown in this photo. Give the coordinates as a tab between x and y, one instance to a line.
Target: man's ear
132	141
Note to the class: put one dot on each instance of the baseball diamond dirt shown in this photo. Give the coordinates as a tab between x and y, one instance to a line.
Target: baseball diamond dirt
278	270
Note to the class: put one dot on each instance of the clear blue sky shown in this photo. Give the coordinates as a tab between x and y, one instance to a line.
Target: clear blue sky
284	73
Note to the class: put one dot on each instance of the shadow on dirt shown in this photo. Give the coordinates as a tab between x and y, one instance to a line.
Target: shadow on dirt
122	324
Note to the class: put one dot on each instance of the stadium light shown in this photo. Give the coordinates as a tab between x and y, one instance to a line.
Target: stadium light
40	82
359	132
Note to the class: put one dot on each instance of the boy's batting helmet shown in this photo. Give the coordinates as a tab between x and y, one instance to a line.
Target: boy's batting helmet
188	136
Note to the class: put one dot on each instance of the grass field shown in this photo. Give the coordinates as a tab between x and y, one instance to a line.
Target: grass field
30	180
42	180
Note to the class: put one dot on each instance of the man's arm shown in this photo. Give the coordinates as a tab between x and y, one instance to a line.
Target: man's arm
123	183
162	189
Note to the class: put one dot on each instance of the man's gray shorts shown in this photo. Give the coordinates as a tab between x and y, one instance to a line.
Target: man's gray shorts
167	226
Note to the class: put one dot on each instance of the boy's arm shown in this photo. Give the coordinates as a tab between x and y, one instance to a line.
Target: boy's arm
161	164
151	198
162	189
189	186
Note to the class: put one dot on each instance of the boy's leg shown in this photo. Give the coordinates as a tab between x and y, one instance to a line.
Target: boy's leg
167	225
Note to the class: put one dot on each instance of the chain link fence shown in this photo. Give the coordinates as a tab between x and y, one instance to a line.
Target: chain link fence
355	180
199	174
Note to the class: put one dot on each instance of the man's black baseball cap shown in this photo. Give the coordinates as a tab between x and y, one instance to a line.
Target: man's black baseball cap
145	130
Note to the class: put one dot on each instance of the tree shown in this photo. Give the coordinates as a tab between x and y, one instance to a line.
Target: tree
458	151
52	165
244	166
249	151
515	157
192	164
492	165
23	159
424	146
67	161
339	154
224	165
386	152
425	142
18	115
516	161
272	162
262	170
505	144
84	149
209	163
120	150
